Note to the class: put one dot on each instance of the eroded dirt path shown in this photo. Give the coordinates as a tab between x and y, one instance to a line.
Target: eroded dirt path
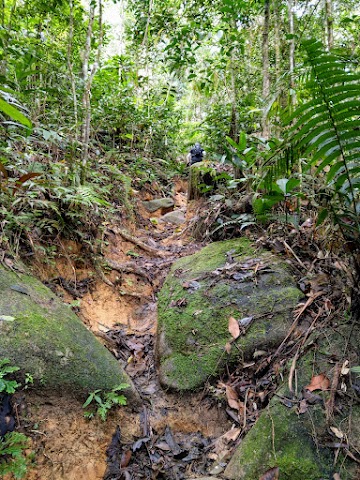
172	436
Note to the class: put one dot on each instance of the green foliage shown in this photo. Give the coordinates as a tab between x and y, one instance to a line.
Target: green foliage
322	142
103	402
12	109
12	458
325	129
6	385
12	445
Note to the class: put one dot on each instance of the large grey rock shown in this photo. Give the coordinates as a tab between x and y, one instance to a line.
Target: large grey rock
200	294
42	336
153	205
176	217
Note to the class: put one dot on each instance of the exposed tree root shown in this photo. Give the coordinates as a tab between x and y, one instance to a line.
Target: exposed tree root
130	238
129	267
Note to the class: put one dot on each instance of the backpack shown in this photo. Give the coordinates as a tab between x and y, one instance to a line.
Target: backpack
196	154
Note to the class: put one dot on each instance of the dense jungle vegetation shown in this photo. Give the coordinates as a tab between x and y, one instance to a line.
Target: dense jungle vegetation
91	111
101	101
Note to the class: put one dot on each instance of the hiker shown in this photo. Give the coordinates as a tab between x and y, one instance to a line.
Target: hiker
196	154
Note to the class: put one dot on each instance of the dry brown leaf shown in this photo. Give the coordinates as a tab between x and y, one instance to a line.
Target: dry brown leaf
228	347
234	328
272	474
220	445
125	458
232	397
231	435
319	382
338	433
336	476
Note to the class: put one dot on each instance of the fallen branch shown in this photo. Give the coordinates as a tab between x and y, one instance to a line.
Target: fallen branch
139	243
129	267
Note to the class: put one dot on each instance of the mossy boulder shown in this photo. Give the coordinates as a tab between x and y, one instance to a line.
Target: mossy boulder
42	336
293	441
202	291
280	438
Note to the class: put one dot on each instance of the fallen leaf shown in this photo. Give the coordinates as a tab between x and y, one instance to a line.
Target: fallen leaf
245	322
328	305
338	433
303	406
162	445
345	368
6	318
336	476
232	397
234	328
319	382
228	347
125	459
272	474
231	435
259	353
139	443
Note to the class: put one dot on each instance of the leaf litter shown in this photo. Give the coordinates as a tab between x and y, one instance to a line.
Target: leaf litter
165	451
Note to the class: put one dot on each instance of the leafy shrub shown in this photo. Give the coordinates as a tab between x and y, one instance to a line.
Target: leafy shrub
12	458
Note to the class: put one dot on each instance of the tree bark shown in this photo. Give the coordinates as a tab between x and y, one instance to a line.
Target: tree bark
71	65
265	68
88	79
329	24
234	132
292	52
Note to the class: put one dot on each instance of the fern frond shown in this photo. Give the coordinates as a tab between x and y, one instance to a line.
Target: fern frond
328	125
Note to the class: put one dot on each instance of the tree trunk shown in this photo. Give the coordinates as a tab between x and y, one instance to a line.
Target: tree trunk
88	79
329	24
277	41
265	68
292	52
234	125
71	66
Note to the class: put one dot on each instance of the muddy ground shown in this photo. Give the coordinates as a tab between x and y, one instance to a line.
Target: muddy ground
170	436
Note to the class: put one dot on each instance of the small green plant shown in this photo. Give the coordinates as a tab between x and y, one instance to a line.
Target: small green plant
105	401
12	458
6	385
29	380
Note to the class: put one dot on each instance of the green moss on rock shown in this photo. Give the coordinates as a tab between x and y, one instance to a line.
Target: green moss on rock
199	296
48	341
278	439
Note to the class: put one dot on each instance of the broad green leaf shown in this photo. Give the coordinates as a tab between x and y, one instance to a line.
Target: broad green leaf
14	113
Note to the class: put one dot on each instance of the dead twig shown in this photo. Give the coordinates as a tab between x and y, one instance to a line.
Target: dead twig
287	246
304	338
